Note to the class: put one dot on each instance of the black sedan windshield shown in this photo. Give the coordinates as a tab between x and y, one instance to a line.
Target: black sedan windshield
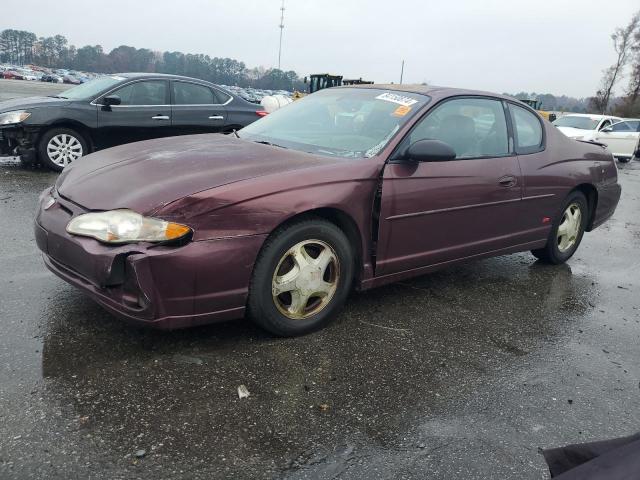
346	122
91	89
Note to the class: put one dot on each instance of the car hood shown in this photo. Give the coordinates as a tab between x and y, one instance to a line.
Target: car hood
31	102
574	132
147	175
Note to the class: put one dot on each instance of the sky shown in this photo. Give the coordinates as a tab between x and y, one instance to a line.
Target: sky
543	46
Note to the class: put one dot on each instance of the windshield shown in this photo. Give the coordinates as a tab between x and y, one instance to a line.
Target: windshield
344	122
583	123
91	89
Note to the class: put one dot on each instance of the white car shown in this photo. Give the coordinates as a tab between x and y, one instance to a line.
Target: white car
579	125
622	139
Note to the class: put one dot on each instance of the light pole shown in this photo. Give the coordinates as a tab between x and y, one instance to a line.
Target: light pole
281	29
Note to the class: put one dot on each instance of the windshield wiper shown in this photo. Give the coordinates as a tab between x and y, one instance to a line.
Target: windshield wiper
264	142
58	96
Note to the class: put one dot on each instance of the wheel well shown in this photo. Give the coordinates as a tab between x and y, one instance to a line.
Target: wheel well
591	193
78	127
345	223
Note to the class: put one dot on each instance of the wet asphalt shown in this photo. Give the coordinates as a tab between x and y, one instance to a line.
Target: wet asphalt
465	373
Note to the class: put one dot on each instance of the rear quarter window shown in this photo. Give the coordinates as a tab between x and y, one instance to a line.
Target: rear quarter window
527	128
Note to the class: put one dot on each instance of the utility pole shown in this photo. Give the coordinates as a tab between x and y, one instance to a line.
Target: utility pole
401	71
281	29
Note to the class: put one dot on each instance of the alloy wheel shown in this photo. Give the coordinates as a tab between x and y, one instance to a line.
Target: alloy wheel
569	228
63	149
305	279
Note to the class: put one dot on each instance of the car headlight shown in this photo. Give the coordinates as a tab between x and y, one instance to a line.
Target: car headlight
17	116
125	226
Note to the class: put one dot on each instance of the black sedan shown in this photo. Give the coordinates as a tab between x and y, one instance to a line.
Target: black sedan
116	109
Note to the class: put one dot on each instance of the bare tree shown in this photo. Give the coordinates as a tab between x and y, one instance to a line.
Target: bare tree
623	43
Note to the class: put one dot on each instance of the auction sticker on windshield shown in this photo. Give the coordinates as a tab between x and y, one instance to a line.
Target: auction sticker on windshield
401	111
395	98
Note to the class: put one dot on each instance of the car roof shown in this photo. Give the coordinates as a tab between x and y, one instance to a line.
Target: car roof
430	90
131	75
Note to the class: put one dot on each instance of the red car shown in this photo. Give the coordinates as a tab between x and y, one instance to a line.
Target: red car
10	74
347	188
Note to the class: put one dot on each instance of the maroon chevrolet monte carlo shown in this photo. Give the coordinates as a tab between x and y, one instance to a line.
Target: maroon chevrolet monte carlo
347	188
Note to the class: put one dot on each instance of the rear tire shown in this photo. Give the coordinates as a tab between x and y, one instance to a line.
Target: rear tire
311	263
624	159
60	146
567	230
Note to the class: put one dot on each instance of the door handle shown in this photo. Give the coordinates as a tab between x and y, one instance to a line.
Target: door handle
216	117
508	181
160	117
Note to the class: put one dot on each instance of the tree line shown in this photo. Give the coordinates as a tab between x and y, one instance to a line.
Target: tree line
626	44
22	48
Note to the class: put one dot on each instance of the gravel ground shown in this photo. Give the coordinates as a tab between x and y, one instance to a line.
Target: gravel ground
465	373
21	88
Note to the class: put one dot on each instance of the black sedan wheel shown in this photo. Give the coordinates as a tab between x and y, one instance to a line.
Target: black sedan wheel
301	278
61	146
567	231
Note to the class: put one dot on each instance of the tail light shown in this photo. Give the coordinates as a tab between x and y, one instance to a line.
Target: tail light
262	113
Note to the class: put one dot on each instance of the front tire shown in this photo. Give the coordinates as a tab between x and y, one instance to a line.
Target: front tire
59	147
567	231
302	277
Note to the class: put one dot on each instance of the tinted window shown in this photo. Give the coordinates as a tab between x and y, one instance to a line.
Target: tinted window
153	92
622	127
635	125
527	128
221	97
192	94
473	127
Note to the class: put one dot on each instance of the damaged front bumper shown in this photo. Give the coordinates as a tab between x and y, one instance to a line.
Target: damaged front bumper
148	284
19	140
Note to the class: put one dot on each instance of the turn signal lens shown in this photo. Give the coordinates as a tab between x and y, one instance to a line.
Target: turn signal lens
125	226
262	113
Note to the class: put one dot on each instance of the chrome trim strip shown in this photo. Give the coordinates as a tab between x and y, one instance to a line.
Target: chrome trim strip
465	207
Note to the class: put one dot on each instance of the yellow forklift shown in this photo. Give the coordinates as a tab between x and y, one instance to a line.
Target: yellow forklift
536	105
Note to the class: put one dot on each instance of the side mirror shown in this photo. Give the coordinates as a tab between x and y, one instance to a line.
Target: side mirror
607	129
429	151
111	100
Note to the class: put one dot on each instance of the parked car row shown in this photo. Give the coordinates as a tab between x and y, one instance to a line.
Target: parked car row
43	74
73	77
621	136
255	95
116	109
